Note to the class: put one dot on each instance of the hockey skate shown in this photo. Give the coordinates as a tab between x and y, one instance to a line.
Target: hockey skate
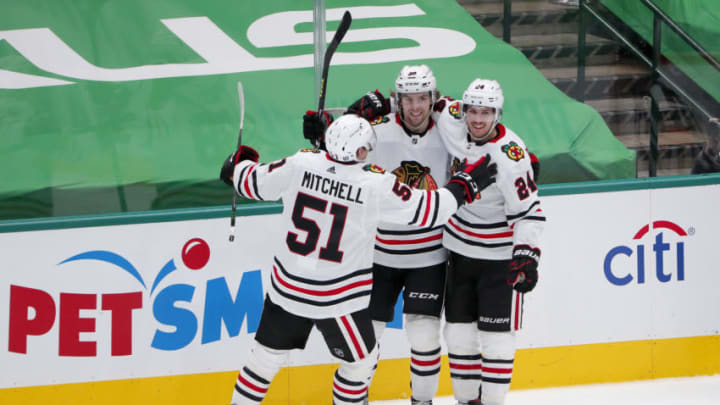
414	401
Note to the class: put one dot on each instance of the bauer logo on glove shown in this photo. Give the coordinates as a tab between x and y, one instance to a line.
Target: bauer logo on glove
522	271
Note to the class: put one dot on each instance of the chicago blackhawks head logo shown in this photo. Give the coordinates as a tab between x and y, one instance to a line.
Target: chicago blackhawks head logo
513	151
456	166
415	175
454	110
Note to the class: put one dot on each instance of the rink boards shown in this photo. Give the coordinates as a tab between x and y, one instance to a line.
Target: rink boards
163	312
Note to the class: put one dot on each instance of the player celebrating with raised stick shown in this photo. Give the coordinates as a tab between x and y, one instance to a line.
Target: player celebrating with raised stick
322	273
493	246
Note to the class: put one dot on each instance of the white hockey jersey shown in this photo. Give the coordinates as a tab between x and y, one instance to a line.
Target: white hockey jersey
509	213
331	210
421	162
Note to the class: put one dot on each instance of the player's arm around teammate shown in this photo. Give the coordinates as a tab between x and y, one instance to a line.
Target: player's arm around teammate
409	260
322	274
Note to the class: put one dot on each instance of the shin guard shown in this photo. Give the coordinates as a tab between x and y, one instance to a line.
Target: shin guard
498	357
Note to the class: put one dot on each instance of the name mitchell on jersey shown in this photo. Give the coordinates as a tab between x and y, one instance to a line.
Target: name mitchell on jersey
331	187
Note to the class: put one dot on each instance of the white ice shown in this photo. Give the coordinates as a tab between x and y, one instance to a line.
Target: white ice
669	391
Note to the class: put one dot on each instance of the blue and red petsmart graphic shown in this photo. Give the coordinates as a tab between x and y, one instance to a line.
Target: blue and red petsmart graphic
34	312
626	264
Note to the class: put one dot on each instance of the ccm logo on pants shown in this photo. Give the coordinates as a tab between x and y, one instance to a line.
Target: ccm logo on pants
423	296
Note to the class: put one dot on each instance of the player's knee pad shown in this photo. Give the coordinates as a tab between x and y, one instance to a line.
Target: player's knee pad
352	379
361	369
378	328
266	361
423	332
461	338
256	375
498	345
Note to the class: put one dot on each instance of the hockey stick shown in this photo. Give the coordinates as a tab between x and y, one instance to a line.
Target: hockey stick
329	52
241	97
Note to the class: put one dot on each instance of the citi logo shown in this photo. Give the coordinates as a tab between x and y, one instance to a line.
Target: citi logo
623	265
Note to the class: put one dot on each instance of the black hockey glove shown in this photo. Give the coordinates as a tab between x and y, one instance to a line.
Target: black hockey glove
371	106
523	274
535	163
314	126
228	167
467	184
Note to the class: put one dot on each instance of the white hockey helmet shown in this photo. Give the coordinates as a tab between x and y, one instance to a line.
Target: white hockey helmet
485	93
346	135
415	79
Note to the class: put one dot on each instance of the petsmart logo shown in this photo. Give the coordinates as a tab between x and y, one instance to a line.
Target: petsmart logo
34	312
619	270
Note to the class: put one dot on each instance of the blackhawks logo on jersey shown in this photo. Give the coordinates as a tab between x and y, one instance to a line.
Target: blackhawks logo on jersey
454	110
456	166
513	151
415	175
311	150
373	168
379	120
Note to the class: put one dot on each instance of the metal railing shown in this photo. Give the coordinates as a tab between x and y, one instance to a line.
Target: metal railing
659	74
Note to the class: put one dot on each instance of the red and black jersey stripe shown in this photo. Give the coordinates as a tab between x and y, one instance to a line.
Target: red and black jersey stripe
321	293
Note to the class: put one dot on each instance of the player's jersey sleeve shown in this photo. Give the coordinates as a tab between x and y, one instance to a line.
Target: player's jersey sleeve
260	181
402	204
451	126
522	205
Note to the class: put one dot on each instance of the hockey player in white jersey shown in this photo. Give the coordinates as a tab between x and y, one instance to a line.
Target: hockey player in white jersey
493	245
322	271
408	259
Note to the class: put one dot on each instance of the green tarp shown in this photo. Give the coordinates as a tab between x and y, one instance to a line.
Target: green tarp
109	106
700	19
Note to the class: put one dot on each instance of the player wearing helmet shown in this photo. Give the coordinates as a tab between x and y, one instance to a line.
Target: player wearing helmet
322	274
408	259
493	244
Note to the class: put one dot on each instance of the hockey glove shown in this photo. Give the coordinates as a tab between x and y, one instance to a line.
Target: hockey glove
314	126
523	274
467	184
228	167
371	106
535	163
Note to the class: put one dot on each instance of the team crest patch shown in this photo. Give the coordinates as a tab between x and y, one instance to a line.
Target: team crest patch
513	151
454	110
373	168
311	150
380	120
415	175
456	166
